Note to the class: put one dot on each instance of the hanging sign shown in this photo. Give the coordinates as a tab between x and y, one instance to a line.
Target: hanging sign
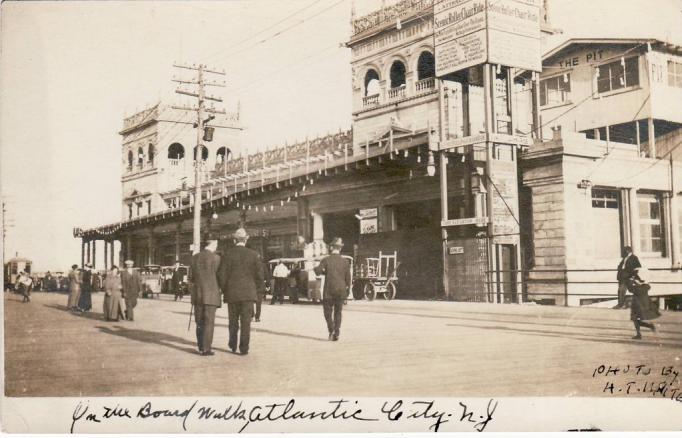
473	32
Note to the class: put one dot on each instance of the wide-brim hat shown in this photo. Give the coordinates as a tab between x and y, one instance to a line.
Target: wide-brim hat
336	243
129	263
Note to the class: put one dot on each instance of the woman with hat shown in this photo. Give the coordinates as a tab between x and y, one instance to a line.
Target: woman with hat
85	300
336	270
642	308
112	295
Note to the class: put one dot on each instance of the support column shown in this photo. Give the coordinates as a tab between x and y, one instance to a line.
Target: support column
87	259
129	248
113	247
634	220
106	255
82	251
674	218
652	138
94	253
319	246
177	244
150	249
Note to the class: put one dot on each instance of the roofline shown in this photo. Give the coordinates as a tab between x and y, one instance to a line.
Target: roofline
586	41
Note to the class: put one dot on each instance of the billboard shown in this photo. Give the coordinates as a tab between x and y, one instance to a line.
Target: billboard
472	32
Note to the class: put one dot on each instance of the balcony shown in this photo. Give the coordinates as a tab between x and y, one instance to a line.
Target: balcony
396	93
425	85
370	101
174	162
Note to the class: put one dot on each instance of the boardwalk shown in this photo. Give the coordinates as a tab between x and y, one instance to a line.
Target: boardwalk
399	348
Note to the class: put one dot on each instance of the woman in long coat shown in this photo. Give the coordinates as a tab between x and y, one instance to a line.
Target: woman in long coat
85	300
112	295
642	308
74	288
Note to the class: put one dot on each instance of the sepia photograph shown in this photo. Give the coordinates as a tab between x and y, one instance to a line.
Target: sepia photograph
341	216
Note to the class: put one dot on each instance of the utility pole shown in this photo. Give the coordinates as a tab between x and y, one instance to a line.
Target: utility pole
200	109
6	225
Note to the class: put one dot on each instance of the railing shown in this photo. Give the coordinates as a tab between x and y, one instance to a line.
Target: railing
174	162
502	290
388	15
372	100
425	85
397	92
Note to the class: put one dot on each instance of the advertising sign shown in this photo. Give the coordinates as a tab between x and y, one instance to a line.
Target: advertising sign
473	32
369	226
505	202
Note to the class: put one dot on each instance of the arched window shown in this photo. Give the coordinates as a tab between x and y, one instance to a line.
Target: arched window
130	160
371	83
426	66
176	151
222	155
150	153
140	156
397	74
204	153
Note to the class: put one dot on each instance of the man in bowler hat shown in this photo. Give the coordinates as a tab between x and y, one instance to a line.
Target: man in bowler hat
241	279
626	270
205	293
131	283
336	270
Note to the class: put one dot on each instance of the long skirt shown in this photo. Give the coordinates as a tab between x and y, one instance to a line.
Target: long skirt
642	308
74	296
112	305
85	300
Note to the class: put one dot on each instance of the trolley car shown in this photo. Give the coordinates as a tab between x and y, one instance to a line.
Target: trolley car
12	269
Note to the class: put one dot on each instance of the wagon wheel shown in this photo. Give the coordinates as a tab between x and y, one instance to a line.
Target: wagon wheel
390	291
370	292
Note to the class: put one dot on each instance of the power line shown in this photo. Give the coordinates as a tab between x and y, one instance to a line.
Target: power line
267	28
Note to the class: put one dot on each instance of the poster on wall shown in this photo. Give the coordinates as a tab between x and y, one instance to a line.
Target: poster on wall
369	226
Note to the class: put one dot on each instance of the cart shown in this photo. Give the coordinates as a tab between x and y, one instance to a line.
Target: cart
151	281
303	278
378	275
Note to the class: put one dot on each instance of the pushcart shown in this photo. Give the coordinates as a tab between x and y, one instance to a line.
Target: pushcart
378	275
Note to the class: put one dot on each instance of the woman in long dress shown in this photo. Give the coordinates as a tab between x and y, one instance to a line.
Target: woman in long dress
112	295
642	308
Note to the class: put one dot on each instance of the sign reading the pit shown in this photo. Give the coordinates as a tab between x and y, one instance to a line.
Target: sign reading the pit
473	32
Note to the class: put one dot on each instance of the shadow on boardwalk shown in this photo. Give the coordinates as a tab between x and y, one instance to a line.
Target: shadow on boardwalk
149	337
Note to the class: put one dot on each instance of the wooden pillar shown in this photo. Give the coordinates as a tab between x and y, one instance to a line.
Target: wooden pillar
106	255
82	251
652	138
150	249
639	139
634	220
94	253
87	258
302	222
674	218
113	247
129	248
177	244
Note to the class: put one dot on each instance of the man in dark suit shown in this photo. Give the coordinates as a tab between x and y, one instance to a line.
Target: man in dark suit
131	284
626	270
205	293
241	279
176	281
336	270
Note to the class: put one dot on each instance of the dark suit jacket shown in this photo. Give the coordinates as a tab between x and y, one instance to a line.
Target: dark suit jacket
241	275
336	270
626	268
204	277
131	283
176	279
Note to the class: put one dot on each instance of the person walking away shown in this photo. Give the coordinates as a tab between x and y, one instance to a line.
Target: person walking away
132	284
241	278
336	270
85	300
24	285
642	309
205	293
626	269
281	275
112	295
74	288
176	282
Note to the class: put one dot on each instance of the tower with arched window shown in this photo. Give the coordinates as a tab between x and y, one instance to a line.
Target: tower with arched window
159	152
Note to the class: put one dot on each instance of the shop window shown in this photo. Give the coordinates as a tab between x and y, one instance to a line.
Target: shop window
651	231
675	74
371	83
397	74
556	90
222	155
619	74
140	157
604	199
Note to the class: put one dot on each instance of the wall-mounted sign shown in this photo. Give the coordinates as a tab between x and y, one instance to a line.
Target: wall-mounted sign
369	226
454	143
456	250
473	32
368	212
479	221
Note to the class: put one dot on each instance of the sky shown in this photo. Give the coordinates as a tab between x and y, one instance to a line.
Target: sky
70	72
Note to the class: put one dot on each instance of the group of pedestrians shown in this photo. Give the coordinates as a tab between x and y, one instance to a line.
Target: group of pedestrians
121	291
633	277
237	279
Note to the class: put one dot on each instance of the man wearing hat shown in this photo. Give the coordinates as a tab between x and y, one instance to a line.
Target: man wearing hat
241	279
336	270
205	293
131	284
